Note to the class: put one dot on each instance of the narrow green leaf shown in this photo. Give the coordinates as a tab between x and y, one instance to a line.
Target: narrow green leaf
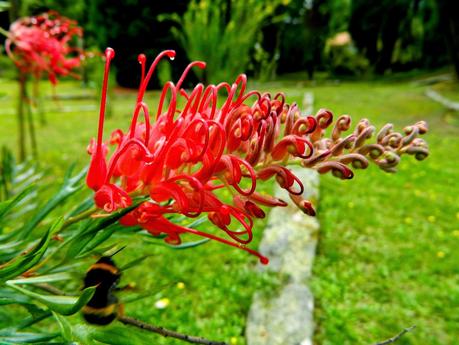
197	222
42	279
13	297
9	245
185	245
64	305
65	327
119	335
81	333
7	205
188	245
89	232
83	206
63	268
95	241
25	338
23	263
69	187
32	320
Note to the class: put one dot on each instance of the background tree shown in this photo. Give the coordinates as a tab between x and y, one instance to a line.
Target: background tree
303	35
131	28
449	12
402	34
375	29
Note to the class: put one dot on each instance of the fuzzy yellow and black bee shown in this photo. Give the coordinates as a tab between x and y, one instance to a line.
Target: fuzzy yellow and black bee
103	307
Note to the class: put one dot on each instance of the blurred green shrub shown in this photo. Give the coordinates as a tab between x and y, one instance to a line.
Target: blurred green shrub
223	33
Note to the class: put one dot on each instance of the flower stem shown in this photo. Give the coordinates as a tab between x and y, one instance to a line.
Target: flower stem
4	32
77	218
38	101
166	332
33	137
21	119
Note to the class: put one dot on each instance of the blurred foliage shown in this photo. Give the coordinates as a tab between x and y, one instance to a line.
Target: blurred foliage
4	6
7	68
69	8
303	35
132	27
449	23
264	39
223	33
343	58
398	35
16	178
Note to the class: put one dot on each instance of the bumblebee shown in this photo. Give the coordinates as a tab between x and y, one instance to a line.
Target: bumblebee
103	307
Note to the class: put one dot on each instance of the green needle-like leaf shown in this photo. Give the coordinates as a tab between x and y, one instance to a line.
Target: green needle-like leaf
64	305
69	187
23	263
7	205
25	338
42	279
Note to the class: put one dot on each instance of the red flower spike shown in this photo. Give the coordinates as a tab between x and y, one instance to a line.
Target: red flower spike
184	158
98	167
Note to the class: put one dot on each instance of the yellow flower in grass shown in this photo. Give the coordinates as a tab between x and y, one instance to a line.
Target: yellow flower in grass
162	303
440	254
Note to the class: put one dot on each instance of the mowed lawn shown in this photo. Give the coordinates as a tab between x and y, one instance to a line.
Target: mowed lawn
388	251
387	255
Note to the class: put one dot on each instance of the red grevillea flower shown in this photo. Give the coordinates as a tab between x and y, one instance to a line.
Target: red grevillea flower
41	44
225	138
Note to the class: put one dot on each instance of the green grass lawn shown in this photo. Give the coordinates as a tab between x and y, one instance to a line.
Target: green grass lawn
449	89
386	258
388	255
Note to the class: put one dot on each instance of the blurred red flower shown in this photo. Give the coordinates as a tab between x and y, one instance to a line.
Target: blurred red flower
41	44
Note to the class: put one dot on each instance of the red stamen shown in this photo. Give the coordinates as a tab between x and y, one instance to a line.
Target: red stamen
194	97
263	259
143	87
172	104
144	107
210	95
200	64
117	156
109	55
142	59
